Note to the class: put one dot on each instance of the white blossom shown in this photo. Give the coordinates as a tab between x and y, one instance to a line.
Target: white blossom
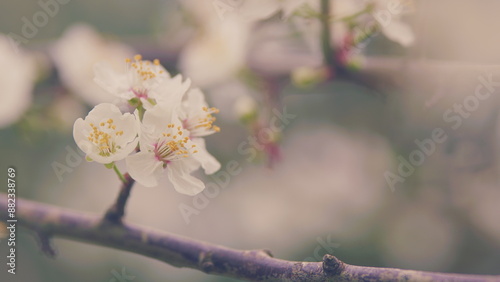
254	10
364	14
217	52
197	118
106	135
165	148
65	110
75	55
17	79
245	106
144	80
383	12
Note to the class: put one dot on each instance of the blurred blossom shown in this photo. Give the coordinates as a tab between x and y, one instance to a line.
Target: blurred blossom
275	47
391	24
420	237
254	10
245	107
386	13
65	110
355	20
225	97
16	81
216	53
75	55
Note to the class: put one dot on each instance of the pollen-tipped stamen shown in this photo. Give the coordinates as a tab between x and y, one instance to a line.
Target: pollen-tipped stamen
103	137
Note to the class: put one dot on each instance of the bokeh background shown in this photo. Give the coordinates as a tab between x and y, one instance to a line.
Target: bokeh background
328	184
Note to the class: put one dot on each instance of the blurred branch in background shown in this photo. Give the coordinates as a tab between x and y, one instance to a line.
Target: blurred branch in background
212	259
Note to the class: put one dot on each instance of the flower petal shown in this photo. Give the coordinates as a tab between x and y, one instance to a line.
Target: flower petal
111	81
399	32
170	92
195	102
207	161
79	131
144	168
180	176
156	118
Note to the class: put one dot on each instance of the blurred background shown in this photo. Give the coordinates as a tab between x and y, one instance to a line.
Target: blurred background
333	179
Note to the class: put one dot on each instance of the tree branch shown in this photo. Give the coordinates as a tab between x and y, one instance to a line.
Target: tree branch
213	259
116	212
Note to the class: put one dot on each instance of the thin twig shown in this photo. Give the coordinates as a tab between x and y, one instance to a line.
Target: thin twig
116	212
213	259
44	240
120	175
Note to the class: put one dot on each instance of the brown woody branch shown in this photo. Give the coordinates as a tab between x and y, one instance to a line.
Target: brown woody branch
116	212
212	259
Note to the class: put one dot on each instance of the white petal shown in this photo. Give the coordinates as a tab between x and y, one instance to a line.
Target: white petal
290	6
75	55
224	44
171	91
158	117
111	81
207	161
256	10
399	32
125	150
104	110
16	81
78	131
180	176
144	168
146	103
195	100
159	79
129	124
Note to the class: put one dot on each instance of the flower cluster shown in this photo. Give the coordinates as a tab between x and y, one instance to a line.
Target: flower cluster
163	135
